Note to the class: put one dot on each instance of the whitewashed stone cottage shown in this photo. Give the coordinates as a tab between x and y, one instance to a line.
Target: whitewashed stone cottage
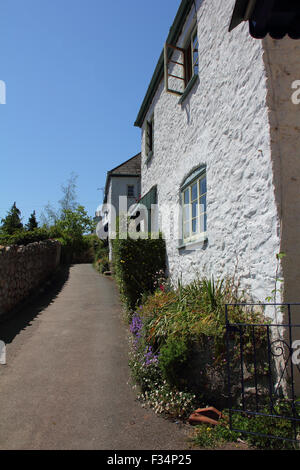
123	180
220	131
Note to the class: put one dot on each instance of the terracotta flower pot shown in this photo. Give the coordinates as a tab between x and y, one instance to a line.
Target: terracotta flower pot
205	415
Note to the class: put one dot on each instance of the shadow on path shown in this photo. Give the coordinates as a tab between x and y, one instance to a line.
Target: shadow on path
22	316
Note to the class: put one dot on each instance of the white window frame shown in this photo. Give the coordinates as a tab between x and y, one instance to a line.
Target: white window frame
201	214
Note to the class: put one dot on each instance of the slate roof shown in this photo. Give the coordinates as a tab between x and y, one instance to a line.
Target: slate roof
131	167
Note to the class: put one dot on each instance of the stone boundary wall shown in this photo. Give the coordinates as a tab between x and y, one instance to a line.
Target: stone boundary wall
24	268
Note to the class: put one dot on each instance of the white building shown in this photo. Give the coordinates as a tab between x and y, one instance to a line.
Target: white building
124	180
225	137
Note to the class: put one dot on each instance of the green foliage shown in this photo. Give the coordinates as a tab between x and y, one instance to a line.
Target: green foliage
22	237
50	215
135	265
173	359
208	436
167	400
187	329
70	230
277	427
211	437
32	222
74	223
156	392
101	256
12	222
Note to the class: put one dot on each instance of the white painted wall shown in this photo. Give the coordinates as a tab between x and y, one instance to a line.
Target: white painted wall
118	187
224	124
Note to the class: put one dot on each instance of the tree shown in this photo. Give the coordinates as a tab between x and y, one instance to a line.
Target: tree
32	222
68	201
75	223
12	222
50	216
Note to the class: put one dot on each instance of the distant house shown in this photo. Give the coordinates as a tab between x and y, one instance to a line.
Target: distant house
124	180
221	141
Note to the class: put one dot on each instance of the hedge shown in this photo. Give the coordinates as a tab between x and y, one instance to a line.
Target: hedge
136	263
24	238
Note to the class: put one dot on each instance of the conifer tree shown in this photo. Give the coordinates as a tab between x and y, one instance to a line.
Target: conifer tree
12	222
32	222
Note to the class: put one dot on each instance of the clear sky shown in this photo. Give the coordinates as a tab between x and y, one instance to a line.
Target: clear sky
76	73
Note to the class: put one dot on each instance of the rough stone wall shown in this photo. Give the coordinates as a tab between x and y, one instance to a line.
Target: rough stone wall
224	124
23	268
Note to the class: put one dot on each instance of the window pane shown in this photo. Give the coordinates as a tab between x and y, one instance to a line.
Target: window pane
194	225
194	191
203	188
186	213
187	196
194	209
130	191
202	204
203	222
195	53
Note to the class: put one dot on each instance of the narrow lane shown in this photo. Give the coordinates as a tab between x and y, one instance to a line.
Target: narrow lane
65	385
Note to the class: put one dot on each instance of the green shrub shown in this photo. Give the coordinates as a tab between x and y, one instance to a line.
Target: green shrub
208	436
135	264
23	237
276	427
102	264
173	359
101	256
186	326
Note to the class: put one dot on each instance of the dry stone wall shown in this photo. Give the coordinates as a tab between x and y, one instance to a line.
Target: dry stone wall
24	268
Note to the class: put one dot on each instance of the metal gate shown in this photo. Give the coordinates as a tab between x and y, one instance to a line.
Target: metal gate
263	365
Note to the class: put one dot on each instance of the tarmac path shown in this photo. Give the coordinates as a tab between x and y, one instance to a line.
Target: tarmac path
65	385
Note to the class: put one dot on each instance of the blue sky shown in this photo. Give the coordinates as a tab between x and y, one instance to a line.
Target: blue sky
76	73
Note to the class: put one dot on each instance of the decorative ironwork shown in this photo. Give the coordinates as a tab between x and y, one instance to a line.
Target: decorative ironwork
262	370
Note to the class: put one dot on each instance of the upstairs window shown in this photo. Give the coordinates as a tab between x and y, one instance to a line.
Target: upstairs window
150	137
130	190
181	64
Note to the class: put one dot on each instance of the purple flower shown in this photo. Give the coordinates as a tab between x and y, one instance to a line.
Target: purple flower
150	357
136	325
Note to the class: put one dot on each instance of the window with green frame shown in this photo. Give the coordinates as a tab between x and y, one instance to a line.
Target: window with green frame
193	199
